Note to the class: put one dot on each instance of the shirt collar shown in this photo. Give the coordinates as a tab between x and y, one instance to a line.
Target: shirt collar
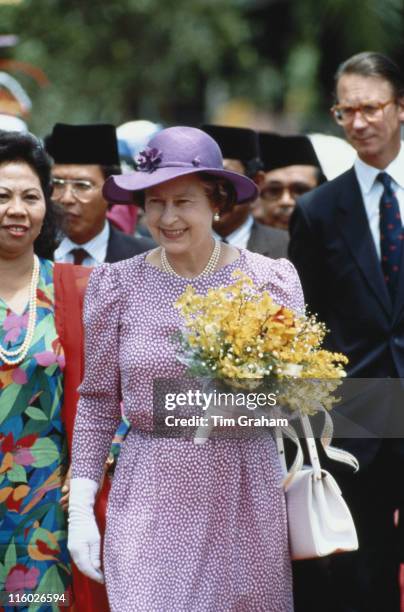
96	247
366	174
396	168
239	234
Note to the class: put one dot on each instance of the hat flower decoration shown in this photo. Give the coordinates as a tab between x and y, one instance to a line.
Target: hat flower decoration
149	159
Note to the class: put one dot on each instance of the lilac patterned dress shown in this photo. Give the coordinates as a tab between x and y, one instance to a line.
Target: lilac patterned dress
189	528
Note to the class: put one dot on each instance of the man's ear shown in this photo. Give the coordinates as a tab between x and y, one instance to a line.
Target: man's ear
400	103
259	179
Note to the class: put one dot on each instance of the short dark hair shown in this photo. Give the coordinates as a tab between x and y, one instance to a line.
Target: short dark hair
372	64
320	176
27	148
108	171
252	166
219	191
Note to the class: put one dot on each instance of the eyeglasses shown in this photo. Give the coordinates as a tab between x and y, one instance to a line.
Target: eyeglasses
81	189
370	112
275	192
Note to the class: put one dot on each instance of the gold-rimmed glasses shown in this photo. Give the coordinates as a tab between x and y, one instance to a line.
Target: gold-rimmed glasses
82	189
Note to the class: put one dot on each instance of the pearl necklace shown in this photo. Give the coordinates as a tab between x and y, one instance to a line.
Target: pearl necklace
208	269
14	357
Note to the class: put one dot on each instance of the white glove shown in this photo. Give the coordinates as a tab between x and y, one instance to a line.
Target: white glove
84	540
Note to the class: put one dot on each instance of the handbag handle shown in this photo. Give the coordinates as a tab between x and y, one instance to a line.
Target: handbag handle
336	454
298	460
311	446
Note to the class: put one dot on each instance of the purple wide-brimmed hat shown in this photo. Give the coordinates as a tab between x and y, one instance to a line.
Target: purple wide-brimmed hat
174	152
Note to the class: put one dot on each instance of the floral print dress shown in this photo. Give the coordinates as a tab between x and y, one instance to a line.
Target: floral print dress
33	455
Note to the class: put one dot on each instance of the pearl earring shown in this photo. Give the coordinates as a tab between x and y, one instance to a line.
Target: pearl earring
216	217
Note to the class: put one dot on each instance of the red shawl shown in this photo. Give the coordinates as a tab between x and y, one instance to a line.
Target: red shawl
70	284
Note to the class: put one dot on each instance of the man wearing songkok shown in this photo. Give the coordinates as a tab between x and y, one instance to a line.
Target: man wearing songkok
84	157
291	168
238	227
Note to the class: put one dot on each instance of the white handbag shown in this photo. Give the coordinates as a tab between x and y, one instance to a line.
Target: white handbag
319	520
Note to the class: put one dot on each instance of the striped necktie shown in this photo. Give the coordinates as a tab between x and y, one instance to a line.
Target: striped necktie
391	234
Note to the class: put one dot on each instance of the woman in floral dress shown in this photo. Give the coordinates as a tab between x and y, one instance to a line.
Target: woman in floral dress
33	451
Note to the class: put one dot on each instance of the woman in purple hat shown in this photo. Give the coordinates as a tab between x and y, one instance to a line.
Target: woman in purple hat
189	528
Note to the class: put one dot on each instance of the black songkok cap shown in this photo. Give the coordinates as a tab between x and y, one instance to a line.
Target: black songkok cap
278	151
83	144
234	142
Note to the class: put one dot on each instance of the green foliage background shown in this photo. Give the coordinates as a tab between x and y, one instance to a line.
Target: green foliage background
174	60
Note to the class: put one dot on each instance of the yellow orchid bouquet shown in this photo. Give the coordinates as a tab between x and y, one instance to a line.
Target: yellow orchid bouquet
239	335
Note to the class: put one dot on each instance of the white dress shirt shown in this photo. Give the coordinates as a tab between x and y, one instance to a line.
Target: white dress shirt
96	249
372	190
240	237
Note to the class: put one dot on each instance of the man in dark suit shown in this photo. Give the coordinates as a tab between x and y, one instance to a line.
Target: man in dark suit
290	168
84	156
240	151
346	243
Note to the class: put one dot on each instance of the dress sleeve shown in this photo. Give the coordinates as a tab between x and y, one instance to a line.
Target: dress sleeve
287	289
98	411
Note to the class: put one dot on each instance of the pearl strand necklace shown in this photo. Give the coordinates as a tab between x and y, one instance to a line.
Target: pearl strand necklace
14	357
208	269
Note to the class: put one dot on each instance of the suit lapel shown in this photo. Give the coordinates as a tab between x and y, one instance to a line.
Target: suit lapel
253	240
268	241
110	254
354	226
